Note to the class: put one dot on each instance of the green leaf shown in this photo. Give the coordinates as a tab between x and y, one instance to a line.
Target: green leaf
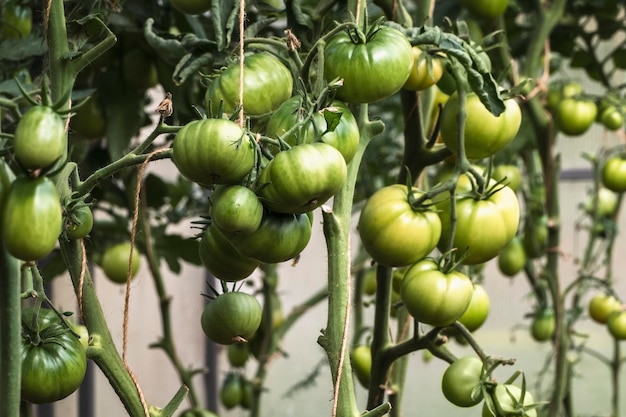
332	117
189	65
170	48
223	14
20	49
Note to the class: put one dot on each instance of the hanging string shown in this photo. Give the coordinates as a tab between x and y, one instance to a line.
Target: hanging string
242	17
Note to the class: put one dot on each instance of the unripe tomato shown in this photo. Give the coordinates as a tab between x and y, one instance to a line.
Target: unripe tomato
223	260
612	118
461	381
614	174
231	317
236	209
511	174
392	232
366	80
512	259
575	116
484	133
486	9
361	357
302	178
32	218
605	202
425	73
115	262
192	6
238	354
267	83
40	138
433	297
213	151
616	324
79	223
89	120
139	70
542	326
508	398
477	310
601	306
16	20
231	392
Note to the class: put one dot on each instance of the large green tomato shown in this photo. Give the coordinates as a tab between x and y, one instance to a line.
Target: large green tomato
115	262
267	83
231	317
372	68
614	174
302	178
460	383
484	133
40	138
213	151
486	9
434	297
192	6
393	232
344	137
236	209
484	226
221	259
279	238
574	116
508	397
53	365
32	218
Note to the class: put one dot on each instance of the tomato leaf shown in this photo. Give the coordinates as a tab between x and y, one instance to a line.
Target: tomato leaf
332	119
223	14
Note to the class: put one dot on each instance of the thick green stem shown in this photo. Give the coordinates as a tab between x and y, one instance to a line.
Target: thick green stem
10	335
337	233
616	365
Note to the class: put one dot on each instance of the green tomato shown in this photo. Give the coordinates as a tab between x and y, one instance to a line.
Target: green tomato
509	399
267	83
40	138
392	232
344	137
484	226
79	222
616	324
238	354
221	259
231	392
601	306
486	9
510	174
535	238
236	209
32	218
512	259
139	70
484	133
55	366
477	310
192	6
302	178
372	68
542	326
614	174
16	21
575	116
605	202
280	237
461	381
612	118
197	412
426	72
115	262
433	297
213	151
89	120
231	317
361	359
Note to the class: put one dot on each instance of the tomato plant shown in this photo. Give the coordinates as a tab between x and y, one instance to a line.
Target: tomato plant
484	133
116	262
348	57
32	218
461	380
231	317
435	297
53	358
267	83
40	138
393	232
213	151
